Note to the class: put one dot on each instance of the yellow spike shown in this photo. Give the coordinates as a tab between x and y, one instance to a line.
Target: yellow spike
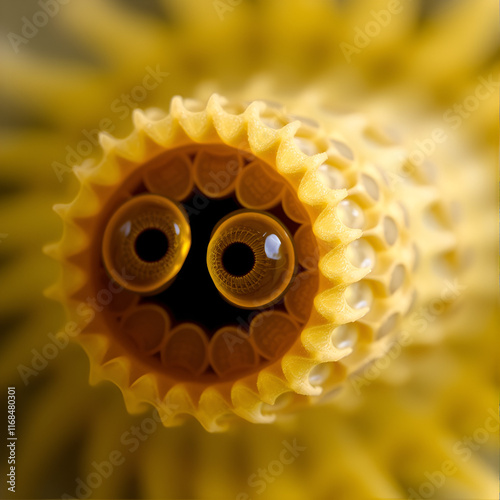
271	384
331	304
52	250
248	405
336	266
108	142
177	109
296	370
53	292
318	341
62	209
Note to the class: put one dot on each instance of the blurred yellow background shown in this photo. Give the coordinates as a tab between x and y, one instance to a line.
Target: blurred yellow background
69	68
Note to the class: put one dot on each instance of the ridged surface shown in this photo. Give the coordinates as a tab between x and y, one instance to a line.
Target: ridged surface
369	300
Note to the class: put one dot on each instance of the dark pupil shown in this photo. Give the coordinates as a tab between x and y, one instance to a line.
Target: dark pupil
151	245
238	259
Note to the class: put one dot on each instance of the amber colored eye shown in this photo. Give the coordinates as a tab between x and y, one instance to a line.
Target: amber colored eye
145	243
251	258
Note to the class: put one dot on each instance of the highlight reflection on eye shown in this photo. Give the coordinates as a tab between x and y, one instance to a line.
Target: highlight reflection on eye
146	243
251	258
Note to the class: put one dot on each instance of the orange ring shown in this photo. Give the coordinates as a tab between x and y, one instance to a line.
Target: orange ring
263	264
146	243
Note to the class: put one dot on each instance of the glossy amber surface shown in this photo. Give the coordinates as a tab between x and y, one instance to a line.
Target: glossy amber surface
145	243
251	259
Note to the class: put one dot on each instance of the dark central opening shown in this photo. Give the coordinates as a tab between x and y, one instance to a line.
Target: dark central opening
238	259
193	296
151	245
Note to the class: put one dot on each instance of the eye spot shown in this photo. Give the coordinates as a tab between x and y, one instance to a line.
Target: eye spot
145	243
151	245
332	177
282	402
345	336
371	186
351	214
397	279
359	295
238	259
319	374
361	254
251	258
390	231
